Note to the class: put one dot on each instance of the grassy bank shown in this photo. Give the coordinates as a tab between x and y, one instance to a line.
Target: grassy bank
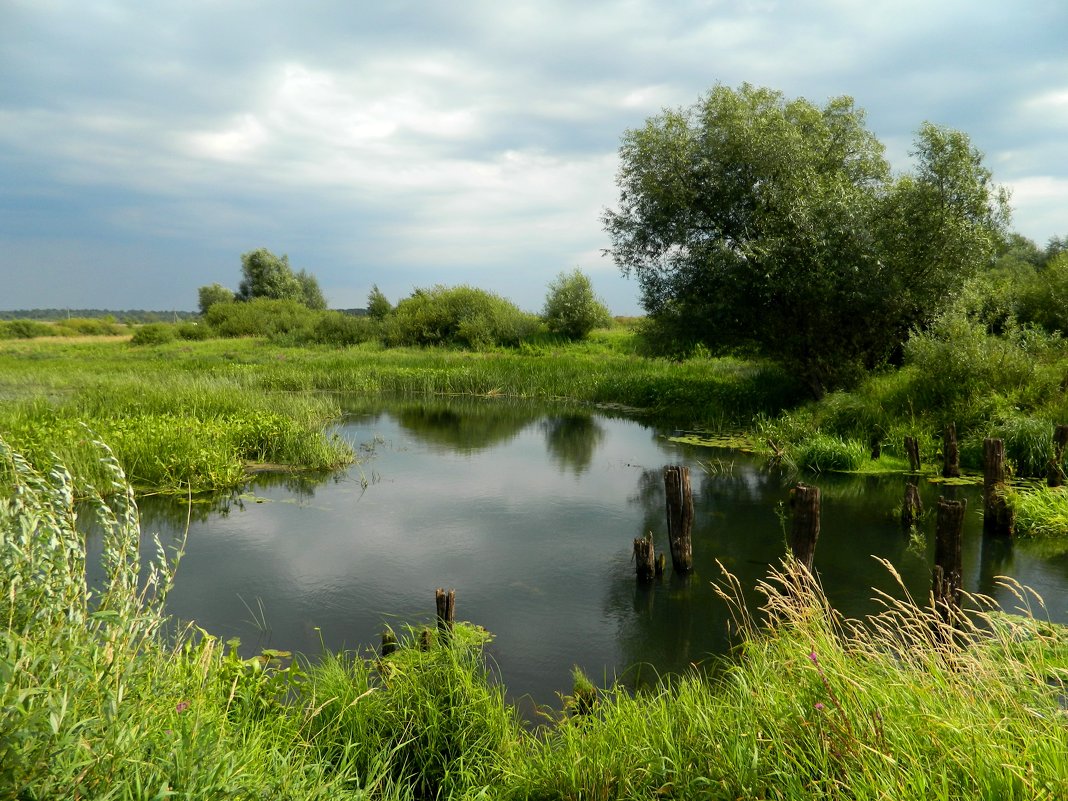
194	414
95	701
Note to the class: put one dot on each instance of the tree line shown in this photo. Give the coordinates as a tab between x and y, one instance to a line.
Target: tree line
271	298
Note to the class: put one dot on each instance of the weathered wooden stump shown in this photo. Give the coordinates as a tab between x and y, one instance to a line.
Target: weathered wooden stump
946	575
950	452
911	506
1055	469
644	559
424	640
389	642
446	609
661	564
805	505
679	516
998	517
912	451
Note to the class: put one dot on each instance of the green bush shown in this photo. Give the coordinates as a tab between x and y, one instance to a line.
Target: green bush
194	331
571	307
261	317
1044	300
153	334
958	368
25	329
336	328
461	315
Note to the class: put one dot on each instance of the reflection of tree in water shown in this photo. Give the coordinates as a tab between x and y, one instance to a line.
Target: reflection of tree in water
171	512
572	439
465	424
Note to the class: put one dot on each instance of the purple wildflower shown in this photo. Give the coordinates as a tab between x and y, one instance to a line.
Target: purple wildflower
815	659
819	706
182	706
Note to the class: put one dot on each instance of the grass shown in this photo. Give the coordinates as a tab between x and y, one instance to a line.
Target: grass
1041	512
97	701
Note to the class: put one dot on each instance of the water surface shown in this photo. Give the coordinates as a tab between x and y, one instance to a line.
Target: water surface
529	513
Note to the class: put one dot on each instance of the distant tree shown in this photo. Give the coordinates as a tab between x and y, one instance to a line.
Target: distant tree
264	275
571	307
1056	246
756	222
378	305
212	294
1018	249
312	294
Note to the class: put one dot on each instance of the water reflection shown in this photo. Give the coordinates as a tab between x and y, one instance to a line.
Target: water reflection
572	439
452	424
530	513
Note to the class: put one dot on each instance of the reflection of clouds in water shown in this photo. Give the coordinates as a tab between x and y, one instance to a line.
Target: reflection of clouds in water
538	552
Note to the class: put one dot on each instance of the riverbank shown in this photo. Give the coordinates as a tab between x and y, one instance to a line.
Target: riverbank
96	699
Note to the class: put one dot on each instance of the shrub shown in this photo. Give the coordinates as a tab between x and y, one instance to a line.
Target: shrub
25	329
336	328
211	294
194	331
956	367
260	317
1044	300
153	334
460	315
571	307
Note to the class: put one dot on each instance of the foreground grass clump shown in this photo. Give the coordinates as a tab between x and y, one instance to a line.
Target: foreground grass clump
96	700
1041	511
819	707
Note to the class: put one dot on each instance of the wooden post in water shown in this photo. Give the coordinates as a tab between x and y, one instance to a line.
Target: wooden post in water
805	505
1054	471
946	575
661	563
912	451
912	506
389	642
446	609
679	516
644	560
424	640
950	452
998	518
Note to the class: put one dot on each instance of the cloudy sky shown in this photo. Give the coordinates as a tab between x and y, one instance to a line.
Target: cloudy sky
144	145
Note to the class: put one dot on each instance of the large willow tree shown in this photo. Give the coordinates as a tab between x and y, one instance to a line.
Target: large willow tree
773	225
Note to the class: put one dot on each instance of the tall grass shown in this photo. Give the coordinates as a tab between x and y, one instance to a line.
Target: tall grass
820	707
1041	511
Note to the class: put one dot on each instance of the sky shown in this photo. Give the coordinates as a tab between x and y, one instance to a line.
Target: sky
145	145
